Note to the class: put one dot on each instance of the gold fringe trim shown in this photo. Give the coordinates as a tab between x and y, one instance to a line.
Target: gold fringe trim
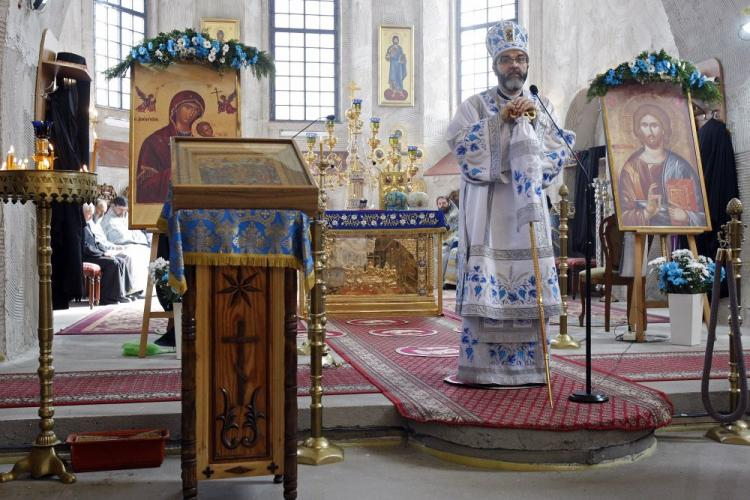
224	259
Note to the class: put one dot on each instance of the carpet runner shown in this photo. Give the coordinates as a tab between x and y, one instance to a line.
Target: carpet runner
20	390
414	383
659	366
122	319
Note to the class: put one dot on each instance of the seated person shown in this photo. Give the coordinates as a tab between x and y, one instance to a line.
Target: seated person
113	229
115	225
115	276
450	240
100	210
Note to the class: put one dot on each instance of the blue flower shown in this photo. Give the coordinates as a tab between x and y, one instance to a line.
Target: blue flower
150	46
611	78
142	50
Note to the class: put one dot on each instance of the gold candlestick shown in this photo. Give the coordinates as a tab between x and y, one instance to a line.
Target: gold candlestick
563	340
40	188
317	450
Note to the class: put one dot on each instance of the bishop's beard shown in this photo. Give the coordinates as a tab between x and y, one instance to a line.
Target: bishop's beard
512	81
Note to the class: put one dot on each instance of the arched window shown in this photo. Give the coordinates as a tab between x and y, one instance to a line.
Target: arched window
118	26
305	45
473	19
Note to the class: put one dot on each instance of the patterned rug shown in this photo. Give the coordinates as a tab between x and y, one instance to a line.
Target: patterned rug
394	355
20	390
659	366
122	319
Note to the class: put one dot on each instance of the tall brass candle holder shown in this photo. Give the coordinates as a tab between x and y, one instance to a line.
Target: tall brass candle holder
563	340
317	450
736	432
42	187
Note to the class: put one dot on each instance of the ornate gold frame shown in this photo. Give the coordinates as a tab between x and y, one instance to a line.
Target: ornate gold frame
614	176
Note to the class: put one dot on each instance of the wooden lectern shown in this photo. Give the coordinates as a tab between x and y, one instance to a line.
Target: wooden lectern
239	389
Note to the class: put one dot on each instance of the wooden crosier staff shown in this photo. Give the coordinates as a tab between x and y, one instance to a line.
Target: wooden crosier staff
540	307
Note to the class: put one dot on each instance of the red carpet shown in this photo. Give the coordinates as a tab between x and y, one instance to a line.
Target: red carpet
124	319
659	366
93	387
20	390
413	381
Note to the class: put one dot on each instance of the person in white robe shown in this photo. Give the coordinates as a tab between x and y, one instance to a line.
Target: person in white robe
506	159
450	240
113	228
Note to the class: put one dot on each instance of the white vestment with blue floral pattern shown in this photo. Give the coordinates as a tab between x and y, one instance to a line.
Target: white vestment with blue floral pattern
504	168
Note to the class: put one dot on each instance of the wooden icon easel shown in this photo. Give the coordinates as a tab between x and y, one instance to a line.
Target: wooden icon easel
148	314
637	308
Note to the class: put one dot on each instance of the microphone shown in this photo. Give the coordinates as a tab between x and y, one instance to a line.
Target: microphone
328	117
535	92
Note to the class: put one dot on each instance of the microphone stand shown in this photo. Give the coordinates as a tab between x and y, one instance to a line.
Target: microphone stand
586	396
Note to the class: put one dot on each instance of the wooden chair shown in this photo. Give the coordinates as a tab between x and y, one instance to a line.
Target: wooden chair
92	273
612	242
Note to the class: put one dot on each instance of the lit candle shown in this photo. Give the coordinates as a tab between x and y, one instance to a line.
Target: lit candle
3	167
10	159
25	165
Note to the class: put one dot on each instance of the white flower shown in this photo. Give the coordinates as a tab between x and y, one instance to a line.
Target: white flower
657	261
225	48
194	40
159	54
191	51
211	57
222	60
651	68
206	44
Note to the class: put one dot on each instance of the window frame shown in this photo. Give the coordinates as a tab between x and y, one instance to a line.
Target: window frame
459	30
120	9
272	30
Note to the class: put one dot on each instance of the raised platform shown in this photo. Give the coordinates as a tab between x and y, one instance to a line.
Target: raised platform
368	415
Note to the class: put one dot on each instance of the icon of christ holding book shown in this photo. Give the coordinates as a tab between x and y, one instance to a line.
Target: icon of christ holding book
658	187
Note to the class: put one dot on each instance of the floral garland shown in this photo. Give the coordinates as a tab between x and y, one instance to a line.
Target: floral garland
190	46
657	67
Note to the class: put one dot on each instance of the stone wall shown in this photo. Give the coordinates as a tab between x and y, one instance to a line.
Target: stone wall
20	35
703	30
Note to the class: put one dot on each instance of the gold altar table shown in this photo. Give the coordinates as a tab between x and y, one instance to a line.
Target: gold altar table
384	263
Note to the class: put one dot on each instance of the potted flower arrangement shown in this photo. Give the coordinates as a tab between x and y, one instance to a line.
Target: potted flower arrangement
169	299
685	279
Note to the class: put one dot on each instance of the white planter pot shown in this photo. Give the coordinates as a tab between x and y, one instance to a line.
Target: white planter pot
177	310
685	316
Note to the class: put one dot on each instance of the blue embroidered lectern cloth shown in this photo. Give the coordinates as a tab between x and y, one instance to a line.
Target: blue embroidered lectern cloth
384	219
251	237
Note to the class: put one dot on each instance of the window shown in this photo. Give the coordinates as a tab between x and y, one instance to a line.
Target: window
304	42
118	26
474	18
